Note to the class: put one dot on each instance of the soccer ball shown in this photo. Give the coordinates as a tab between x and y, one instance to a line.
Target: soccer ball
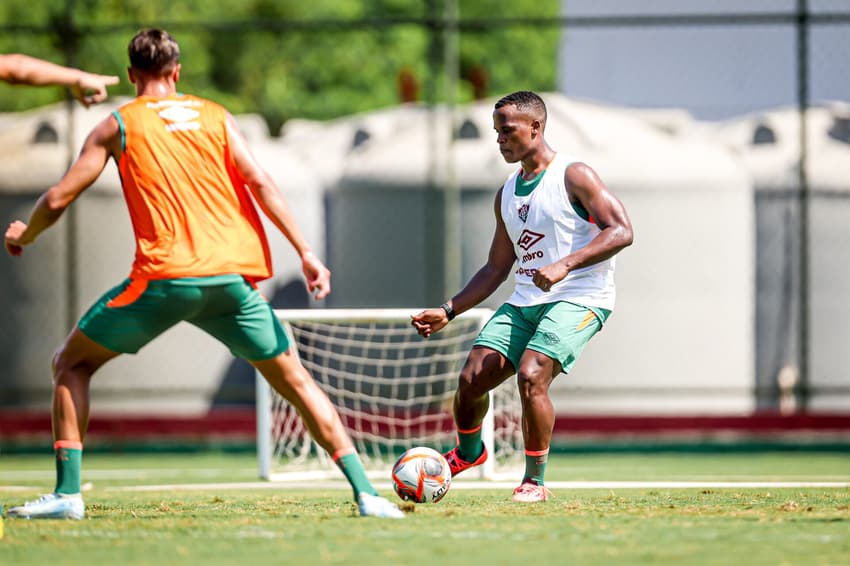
421	475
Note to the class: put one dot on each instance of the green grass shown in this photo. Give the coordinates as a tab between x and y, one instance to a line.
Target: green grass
580	526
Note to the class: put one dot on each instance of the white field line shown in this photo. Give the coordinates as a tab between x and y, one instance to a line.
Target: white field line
463	485
480	485
322	481
117	474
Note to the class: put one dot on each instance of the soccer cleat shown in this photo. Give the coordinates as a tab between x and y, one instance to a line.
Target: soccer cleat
51	506
377	506
458	464
531	493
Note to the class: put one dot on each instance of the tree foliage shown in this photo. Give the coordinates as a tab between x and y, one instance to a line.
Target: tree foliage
280	58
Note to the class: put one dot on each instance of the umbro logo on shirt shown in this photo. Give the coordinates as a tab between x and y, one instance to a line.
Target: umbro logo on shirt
528	239
179	117
178	114
551	338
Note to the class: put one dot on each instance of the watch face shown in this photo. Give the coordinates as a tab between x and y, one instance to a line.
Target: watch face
450	312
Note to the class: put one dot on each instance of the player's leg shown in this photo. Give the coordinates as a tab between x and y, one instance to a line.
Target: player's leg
535	376
563	330
243	320
122	321
293	382
493	359
483	370
290	378
73	366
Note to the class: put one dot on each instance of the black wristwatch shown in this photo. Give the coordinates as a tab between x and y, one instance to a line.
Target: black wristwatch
450	312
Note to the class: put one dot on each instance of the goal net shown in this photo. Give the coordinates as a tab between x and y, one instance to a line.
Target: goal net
392	388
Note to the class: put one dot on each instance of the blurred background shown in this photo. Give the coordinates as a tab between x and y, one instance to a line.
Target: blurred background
724	128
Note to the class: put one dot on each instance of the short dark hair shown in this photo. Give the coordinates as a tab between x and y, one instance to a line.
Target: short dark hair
153	51
525	101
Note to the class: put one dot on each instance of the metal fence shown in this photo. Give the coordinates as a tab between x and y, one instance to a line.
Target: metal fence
729	59
788	53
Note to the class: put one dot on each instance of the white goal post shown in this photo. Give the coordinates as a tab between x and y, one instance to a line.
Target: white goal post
392	388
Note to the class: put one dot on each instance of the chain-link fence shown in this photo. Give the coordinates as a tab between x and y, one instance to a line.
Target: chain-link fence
766	79
774	69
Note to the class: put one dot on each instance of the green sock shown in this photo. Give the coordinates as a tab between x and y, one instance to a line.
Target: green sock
68	464
535	465
469	443
352	467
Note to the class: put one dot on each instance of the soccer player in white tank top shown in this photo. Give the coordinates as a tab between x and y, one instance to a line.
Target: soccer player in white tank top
560	224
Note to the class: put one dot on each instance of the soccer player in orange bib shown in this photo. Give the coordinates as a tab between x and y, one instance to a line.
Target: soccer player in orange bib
561	227
190	182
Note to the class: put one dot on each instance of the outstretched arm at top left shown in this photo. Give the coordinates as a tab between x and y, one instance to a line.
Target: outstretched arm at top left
274	206
88	88
50	205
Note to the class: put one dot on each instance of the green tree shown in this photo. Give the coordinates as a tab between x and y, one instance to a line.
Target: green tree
283	59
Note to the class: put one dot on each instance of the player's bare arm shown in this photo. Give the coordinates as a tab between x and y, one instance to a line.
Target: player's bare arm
88	88
97	149
586	188
486	280
273	205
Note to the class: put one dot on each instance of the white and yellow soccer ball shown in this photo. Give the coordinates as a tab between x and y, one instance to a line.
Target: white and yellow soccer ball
421	475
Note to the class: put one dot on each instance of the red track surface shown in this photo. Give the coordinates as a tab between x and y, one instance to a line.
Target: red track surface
241	424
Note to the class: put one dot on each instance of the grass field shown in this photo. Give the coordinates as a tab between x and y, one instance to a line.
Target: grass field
209	509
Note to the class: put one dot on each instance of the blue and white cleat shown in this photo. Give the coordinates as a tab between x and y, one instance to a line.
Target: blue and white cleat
377	506
51	506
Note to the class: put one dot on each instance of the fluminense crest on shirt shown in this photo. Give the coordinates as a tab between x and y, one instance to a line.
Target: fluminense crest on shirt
523	212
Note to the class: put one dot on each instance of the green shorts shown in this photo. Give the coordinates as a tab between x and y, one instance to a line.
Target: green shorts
560	330
225	306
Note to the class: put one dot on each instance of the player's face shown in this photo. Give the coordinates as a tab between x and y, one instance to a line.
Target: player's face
514	132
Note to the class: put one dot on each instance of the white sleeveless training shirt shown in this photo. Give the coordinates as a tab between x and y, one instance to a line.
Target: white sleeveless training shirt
544	228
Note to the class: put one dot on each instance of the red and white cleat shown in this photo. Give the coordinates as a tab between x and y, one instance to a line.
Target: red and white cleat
531	493
458	464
